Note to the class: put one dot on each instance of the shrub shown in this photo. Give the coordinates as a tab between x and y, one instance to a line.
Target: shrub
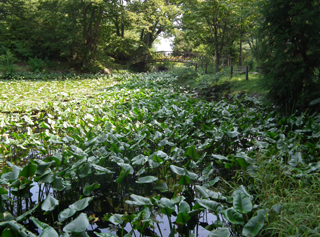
289	51
7	60
36	64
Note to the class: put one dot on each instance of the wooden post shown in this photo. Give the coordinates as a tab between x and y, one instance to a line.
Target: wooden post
231	70
196	67
247	73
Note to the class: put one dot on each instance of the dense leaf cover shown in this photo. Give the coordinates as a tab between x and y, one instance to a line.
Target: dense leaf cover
143	148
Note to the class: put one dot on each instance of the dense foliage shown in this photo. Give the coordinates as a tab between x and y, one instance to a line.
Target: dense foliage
87	34
289	51
133	151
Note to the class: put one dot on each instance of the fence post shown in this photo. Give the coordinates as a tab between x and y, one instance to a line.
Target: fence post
247	73
231	70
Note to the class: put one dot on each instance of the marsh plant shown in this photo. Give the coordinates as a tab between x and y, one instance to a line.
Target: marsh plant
139	155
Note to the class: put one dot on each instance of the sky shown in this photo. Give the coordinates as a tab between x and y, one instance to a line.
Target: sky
164	44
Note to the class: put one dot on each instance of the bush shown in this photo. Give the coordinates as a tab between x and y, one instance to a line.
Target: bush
7	60
289	52
36	64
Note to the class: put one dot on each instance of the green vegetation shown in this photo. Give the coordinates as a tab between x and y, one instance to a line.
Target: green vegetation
126	149
289	52
187	152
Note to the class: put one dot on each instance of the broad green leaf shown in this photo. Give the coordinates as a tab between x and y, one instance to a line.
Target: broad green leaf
122	175
28	171
116	219
191	175
139	200
49	203
277	207
39	224
127	167
165	202
11	175
42	167
81	204
101	170
184	207
222	232
161	186
3	191
233	216
183	218
8	233
105	234
219	157
146	179
177	170
202	191
78	225
210	205
157	135
184	180
65	214
17	228
49	232
295	160
242	203
89	188
211	182
24	215
253	226
85	171
242	189
192	153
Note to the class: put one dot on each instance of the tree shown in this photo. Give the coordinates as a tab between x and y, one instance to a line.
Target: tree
212	22
289	51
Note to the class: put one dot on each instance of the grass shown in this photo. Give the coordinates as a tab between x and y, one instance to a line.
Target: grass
292	204
221	83
254	86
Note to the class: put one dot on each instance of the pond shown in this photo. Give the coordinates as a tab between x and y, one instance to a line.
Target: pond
138	157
